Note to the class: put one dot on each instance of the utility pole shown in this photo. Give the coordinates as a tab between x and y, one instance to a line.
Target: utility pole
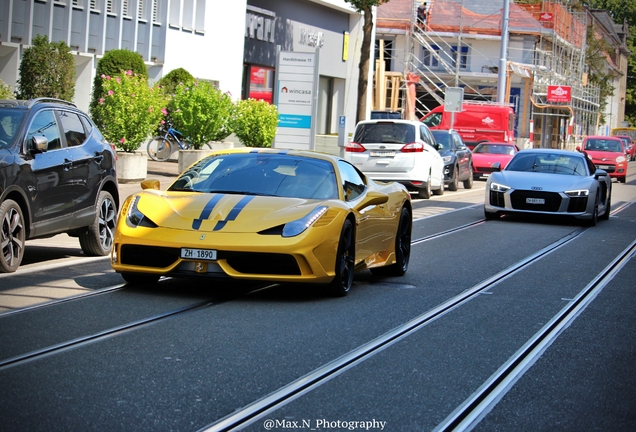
503	54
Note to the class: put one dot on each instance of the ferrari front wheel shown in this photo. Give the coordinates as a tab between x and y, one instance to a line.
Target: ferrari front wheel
345	261
402	248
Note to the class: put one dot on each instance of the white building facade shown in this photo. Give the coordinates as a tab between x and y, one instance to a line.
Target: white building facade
225	42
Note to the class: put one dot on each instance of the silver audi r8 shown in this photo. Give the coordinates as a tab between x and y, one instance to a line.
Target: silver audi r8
548	181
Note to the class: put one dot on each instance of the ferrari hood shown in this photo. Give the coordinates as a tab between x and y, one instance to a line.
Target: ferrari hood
227	213
548	182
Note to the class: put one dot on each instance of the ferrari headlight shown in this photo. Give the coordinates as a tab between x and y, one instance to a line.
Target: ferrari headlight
447	159
497	187
135	218
292	229
578	193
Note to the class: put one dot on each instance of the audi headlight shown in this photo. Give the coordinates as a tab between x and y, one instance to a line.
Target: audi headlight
135	218
497	187
294	228
578	193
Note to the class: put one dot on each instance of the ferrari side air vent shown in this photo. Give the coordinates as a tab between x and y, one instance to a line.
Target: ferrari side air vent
277	230
326	219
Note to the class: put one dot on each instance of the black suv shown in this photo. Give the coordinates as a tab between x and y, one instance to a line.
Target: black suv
458	159
57	175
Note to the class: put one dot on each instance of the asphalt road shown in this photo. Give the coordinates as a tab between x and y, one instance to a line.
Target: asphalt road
183	355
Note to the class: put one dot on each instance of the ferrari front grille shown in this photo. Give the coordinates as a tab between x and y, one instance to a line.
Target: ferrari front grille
531	200
148	256
263	263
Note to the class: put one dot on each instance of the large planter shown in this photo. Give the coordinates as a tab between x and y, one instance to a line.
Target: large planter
188	157
131	167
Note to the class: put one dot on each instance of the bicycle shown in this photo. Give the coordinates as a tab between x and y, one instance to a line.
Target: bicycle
160	148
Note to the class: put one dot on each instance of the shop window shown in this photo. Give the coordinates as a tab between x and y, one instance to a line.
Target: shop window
261	83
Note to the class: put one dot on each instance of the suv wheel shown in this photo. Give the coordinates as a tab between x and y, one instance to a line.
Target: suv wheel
452	186
98	240
13	235
468	183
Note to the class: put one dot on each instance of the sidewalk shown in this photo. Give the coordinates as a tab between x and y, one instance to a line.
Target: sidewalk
165	172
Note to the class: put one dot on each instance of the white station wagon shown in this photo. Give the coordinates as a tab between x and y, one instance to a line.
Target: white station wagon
403	151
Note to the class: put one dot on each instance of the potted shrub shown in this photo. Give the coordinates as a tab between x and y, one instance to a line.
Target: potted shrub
127	114
254	122
201	112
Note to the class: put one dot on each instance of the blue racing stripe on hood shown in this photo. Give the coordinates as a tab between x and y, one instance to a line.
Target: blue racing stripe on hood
207	210
234	212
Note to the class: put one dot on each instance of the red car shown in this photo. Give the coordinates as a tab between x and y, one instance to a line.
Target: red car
486	154
608	154
630	147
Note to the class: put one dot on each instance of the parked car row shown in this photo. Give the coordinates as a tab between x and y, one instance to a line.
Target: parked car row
408	152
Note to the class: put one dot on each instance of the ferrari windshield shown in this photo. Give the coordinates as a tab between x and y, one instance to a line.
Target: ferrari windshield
260	174
555	163
502	149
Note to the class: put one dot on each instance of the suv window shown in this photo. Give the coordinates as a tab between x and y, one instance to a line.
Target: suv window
427	136
44	124
10	121
73	129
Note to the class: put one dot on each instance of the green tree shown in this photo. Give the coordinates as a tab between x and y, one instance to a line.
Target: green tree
5	91
623	11
173	78
254	122
47	69
201	112
365	7
595	58
130	110
115	63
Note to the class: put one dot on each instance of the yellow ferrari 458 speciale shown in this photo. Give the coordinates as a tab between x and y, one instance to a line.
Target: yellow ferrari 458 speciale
268	215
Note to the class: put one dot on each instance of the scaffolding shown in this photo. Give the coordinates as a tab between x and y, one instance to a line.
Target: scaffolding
444	50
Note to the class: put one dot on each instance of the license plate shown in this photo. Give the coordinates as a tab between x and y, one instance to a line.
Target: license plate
535	201
604	167
198	254
382	153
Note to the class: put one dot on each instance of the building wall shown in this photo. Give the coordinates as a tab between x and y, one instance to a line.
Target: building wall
192	34
217	54
306	26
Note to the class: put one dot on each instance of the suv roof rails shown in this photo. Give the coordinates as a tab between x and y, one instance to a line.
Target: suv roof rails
47	99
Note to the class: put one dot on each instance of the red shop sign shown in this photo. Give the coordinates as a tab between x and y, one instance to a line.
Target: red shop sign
559	93
546	16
